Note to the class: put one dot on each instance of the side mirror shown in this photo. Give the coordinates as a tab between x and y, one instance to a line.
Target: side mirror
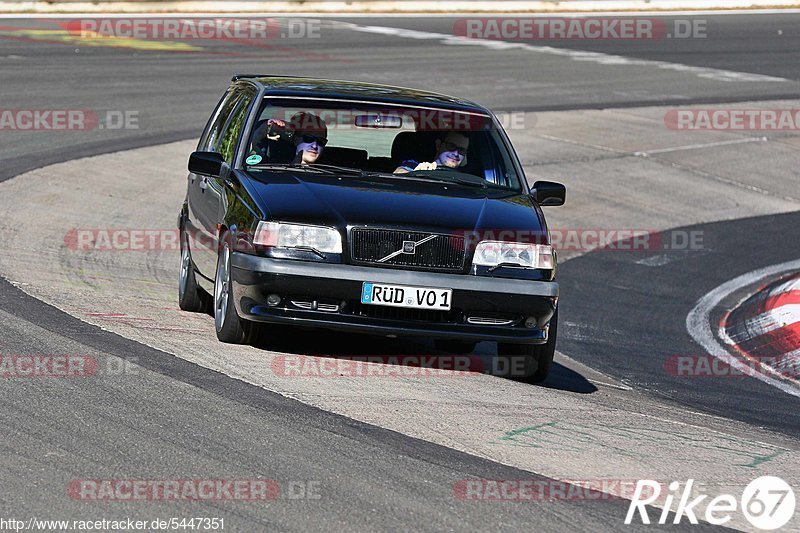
549	193
207	164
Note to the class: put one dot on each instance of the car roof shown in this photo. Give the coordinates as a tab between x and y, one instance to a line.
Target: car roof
353	90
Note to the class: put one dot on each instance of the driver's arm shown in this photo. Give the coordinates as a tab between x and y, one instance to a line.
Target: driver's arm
267	141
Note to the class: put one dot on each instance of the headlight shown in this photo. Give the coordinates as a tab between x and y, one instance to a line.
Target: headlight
281	235
494	253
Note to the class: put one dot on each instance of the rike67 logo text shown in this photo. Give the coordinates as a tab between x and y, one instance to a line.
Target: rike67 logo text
767	503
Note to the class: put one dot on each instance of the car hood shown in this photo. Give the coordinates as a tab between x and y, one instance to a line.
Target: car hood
407	204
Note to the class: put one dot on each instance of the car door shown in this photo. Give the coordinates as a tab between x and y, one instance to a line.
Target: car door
215	196
200	240
205	192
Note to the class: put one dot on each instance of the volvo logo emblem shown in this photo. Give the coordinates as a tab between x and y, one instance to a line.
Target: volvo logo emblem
409	247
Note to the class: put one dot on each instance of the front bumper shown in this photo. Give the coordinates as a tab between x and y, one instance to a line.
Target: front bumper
255	277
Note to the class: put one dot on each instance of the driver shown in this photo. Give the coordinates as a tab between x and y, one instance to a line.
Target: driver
310	137
305	136
451	152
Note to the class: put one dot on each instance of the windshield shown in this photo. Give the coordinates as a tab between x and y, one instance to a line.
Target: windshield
401	141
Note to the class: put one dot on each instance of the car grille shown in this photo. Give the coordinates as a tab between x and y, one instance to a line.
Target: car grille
441	252
404	314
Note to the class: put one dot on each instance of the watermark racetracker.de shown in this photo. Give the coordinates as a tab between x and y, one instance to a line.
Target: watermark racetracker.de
732	119
29	366
709	366
436	120
238	29
58	120
193	489
373	366
579	28
529	490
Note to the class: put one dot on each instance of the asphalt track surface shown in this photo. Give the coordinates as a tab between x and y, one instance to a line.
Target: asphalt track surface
180	418
195	423
631	345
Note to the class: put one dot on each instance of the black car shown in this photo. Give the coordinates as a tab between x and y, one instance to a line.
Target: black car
371	209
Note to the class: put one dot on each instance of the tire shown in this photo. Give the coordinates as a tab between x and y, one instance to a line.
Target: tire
456	347
190	296
230	328
538	358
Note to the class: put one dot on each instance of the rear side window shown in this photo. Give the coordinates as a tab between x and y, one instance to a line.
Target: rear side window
223	132
221	114
233	128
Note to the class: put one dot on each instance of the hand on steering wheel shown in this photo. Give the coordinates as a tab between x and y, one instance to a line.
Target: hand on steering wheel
426	166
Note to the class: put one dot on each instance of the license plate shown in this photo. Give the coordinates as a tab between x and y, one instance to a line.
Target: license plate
405	296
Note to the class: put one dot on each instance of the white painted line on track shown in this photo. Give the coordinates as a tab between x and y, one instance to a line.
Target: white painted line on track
612	385
576	55
582	143
699	326
699	146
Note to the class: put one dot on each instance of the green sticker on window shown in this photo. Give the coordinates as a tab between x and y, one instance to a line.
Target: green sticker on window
253	159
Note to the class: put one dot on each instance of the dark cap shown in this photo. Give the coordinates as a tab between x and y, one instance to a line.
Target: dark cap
303	122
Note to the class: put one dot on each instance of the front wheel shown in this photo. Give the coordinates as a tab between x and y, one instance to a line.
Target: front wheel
532	360
230	328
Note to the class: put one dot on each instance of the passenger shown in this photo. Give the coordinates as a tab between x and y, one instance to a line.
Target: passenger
451	152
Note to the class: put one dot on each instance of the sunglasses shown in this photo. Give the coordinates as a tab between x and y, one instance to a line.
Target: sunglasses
450	147
308	138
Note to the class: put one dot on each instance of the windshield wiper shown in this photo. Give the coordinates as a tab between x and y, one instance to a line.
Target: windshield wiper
351	170
289	166
336	168
315	167
477	182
